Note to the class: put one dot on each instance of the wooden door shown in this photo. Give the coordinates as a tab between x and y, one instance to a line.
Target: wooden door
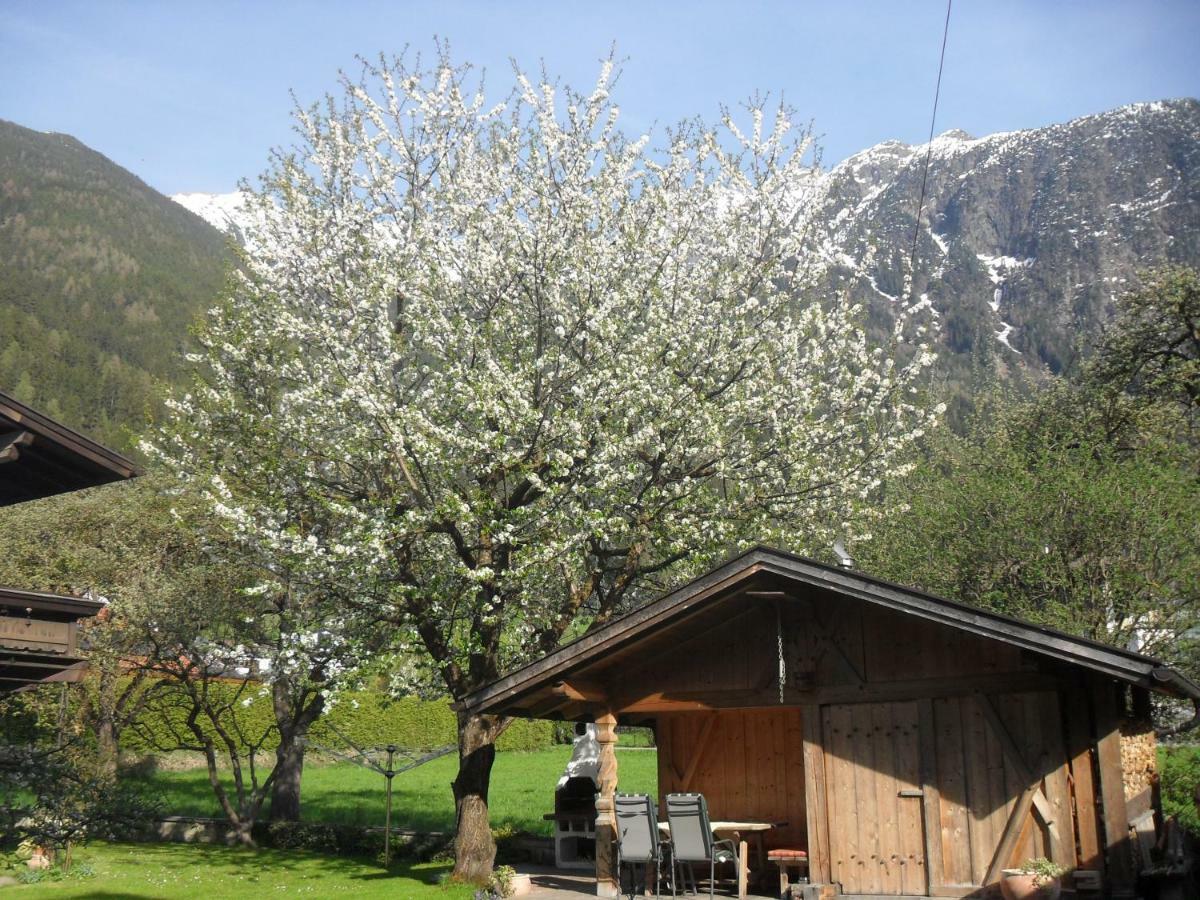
997	787
873	784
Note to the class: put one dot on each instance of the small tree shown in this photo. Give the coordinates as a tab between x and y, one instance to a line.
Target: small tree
177	593
68	803
493	374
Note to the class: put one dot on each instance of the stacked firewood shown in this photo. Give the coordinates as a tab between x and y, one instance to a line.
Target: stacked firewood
1138	757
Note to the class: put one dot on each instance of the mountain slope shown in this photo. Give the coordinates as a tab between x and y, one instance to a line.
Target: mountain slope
1026	236
1025	239
100	277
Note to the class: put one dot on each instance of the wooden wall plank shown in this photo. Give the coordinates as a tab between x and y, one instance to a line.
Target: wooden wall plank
1118	850
956	841
1002	793
862	763
1030	742
1077	711
978	789
911	847
931	803
882	772
1057	786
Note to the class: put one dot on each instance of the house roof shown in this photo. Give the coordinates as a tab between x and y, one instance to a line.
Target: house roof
748	568
48	607
40	457
37	640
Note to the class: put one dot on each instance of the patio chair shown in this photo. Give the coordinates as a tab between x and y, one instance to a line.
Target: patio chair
637	839
692	840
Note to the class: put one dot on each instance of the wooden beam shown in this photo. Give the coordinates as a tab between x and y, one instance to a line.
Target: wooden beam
1012	833
1121	874
914	689
545	706
580	689
11	444
816	800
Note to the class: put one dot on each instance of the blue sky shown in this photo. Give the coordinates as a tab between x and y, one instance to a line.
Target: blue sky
191	96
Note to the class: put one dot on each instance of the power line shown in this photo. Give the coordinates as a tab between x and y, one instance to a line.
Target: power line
912	259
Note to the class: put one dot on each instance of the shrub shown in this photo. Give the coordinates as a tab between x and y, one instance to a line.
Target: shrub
1179	771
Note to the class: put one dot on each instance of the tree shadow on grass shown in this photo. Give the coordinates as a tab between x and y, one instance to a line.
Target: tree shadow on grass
253	864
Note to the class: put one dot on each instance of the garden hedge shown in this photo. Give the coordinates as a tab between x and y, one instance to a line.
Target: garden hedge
366	719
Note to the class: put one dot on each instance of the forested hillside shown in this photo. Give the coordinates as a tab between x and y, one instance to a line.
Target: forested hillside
100	277
1026	239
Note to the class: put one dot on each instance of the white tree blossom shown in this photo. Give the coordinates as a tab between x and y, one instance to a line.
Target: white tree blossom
499	369
507	364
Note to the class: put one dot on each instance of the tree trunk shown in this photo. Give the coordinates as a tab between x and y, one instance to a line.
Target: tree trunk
106	748
474	849
289	755
285	792
106	727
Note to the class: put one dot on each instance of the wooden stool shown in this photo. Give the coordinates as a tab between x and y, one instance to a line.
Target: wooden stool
786	860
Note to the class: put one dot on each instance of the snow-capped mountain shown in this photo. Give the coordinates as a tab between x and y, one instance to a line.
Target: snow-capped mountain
1025	238
225	212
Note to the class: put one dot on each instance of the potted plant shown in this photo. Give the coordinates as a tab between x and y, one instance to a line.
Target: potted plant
1036	879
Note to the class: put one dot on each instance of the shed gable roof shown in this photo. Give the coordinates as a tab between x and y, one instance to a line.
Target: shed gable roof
40	457
737	573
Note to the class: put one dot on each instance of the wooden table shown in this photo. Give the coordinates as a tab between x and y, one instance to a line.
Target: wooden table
738	831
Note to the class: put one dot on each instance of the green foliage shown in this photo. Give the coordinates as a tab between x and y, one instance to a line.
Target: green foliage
366	718
1153	348
1179	771
52	798
1042	869
1074	509
55	873
102	279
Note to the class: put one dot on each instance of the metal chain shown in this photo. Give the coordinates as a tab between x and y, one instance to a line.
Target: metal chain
779	648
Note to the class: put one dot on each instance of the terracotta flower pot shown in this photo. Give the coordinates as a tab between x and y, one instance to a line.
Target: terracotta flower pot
1018	885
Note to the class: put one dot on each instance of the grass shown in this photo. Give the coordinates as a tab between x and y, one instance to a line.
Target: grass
137	871
522	790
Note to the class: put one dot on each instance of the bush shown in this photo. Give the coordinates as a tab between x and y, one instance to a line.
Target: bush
1179	771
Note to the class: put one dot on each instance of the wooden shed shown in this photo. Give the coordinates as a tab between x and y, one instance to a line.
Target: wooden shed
912	745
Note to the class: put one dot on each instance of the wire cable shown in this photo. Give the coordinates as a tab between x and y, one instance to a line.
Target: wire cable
912	259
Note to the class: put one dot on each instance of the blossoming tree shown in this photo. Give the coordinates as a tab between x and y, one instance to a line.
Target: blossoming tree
499	371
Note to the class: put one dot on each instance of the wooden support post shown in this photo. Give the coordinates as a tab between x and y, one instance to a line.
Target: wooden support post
815	799
608	877
1119	852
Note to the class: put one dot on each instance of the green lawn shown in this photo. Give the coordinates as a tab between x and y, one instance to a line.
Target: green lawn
522	790
180	871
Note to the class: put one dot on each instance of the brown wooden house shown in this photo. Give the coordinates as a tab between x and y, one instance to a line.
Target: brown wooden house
911	744
40	457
